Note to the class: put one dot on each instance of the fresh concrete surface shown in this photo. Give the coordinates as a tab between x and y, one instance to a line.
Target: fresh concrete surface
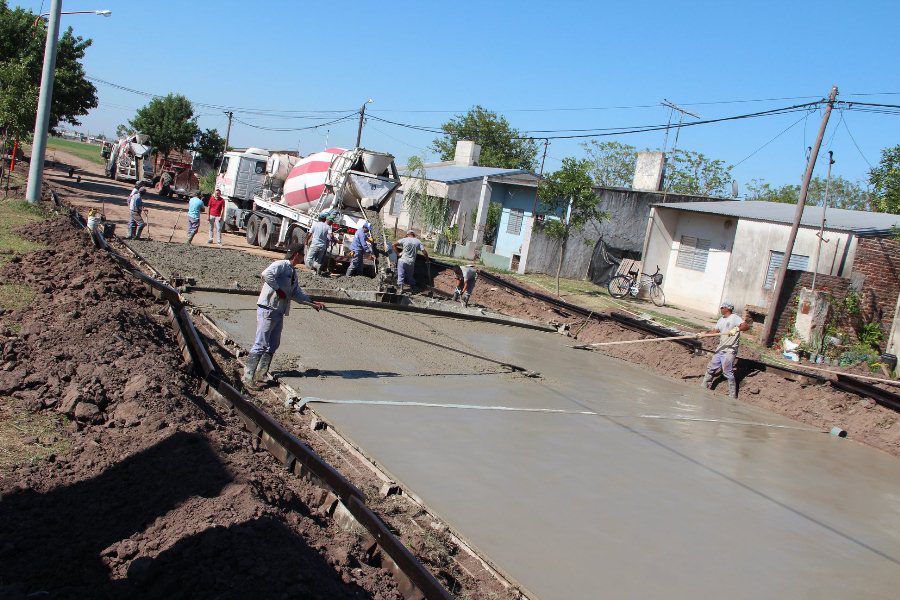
667	492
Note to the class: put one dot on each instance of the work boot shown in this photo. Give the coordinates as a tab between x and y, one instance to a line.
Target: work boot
732	388
140	229
707	381
265	362
250	370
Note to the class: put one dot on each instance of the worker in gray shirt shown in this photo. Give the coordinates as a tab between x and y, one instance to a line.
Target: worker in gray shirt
729	328
274	303
465	282
318	239
407	248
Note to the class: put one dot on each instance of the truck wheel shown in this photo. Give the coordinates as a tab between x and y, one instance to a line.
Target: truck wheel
296	237
268	233
252	230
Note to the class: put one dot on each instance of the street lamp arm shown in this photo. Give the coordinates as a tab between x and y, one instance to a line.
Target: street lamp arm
100	13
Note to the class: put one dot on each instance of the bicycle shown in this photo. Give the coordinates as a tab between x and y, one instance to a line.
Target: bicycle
625	285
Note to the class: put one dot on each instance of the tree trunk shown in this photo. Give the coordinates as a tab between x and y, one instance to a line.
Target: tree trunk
562	252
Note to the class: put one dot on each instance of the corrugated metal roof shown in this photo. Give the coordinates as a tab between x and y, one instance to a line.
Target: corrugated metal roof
460	174
839	219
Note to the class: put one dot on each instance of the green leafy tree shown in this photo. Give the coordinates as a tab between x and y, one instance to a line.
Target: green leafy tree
123	130
169	122
500	146
885	181
689	172
209	145
21	62
431	211
612	163
569	195
842	193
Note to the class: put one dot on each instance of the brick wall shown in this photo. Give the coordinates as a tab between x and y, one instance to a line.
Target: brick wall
877	264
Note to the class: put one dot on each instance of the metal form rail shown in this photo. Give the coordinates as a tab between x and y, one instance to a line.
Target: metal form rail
846	383
340	499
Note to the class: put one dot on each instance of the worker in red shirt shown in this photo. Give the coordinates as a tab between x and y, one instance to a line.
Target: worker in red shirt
216	211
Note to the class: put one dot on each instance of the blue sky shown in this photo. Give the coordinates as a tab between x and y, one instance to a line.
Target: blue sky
514	58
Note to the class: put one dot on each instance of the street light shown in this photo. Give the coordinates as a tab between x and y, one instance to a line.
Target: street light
99	13
42	119
362	115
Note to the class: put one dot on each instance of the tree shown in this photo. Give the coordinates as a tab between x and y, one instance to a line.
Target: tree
169	122
433	211
568	194
612	163
500	146
123	130
885	181
21	63
689	172
842	193
209	145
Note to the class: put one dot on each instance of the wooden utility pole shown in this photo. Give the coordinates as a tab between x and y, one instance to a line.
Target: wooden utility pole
537	188
228	131
822	227
769	326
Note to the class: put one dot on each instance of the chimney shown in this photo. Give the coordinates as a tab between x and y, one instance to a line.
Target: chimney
467	153
648	171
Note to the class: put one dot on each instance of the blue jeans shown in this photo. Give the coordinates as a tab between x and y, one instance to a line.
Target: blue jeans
723	361
135	224
269	324
315	256
405	274
356	264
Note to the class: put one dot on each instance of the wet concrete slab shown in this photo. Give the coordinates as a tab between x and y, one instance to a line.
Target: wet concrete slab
663	490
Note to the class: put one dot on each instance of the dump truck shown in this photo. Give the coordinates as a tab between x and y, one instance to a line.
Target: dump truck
350	185
127	158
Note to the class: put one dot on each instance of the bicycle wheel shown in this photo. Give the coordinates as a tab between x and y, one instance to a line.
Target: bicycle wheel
656	295
619	286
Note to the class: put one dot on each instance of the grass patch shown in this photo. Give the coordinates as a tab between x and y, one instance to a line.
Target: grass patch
14	214
14	296
28	437
89	152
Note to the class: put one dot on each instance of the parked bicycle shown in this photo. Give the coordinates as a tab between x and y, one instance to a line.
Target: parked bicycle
627	285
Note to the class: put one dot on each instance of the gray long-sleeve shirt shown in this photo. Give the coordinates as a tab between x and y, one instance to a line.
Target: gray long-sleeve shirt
280	275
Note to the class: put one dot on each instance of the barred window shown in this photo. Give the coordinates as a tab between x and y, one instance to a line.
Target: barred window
798	262
693	253
514	225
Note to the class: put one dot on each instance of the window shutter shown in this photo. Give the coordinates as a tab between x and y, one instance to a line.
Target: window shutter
693	253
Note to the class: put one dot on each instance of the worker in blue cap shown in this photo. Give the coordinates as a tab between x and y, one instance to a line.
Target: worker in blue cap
362	244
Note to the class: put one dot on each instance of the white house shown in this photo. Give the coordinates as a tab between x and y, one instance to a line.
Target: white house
710	251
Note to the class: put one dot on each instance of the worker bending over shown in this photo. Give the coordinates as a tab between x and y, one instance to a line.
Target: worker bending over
318	240
729	326
274	303
465	282
407	248
362	243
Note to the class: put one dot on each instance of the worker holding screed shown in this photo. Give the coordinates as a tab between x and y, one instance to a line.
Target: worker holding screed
465	282
274	303
729	327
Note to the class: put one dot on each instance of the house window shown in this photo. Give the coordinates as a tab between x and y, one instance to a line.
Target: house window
514	225
798	262
693	253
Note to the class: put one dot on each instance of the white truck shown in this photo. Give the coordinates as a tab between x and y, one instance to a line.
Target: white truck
350	185
128	158
241	177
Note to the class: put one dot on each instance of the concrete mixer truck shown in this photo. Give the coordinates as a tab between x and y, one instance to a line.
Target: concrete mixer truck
350	185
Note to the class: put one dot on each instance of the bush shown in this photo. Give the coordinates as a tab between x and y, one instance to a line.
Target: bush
208	183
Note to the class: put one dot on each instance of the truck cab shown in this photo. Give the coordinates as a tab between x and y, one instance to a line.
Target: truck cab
241	177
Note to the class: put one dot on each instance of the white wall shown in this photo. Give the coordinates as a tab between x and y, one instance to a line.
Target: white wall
753	245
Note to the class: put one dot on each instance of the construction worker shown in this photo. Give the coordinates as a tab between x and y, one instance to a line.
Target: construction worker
362	243
465	282
274	303
729	326
318	240
407	248
135	208
216	214
195	207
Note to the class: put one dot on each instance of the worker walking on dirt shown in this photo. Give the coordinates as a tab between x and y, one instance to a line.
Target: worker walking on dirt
195	207
362	243
274	303
465	282
318	240
407	249
216	214
729	326
135	209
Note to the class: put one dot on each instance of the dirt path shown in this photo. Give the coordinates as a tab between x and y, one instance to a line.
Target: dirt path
158	495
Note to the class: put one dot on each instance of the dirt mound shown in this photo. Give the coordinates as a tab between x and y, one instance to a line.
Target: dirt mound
818	405
159	495
216	267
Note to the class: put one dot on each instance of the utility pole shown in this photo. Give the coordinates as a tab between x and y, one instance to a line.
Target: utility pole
228	131
45	100
362	115
822	226
537	188
768	327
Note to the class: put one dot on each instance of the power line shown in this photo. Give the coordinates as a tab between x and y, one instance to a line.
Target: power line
781	133
316	126
858	149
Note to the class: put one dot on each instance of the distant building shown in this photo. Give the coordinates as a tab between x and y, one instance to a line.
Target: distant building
711	251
